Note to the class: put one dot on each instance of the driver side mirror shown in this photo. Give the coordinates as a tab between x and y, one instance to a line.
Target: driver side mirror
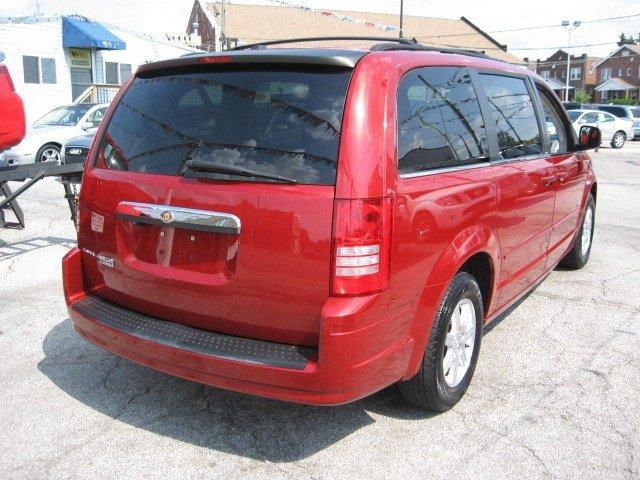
589	138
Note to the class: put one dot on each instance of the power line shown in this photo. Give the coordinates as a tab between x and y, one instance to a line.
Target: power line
564	46
598	20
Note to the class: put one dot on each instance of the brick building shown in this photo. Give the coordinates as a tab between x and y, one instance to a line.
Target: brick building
619	74
582	74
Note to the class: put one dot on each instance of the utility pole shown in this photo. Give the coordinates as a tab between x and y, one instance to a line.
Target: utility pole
223	37
401	9
569	27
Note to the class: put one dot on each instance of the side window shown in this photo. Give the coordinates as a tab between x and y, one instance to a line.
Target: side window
553	122
591	117
439	120
605	117
514	116
96	117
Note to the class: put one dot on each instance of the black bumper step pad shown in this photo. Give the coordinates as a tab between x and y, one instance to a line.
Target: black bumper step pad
192	339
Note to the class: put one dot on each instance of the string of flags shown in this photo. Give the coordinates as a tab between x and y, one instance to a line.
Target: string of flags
343	18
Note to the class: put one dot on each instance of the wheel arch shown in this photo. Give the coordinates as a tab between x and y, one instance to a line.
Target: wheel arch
475	250
45	144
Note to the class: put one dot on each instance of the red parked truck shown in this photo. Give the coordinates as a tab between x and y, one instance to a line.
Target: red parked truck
314	224
12	121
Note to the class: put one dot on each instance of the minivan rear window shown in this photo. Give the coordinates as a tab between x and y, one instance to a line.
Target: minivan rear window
276	121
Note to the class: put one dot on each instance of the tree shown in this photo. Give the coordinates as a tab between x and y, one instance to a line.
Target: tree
624	40
581	96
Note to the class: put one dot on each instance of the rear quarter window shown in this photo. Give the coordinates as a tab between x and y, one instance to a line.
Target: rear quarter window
439	120
283	122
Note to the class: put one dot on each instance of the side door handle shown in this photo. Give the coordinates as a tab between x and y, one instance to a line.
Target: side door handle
562	176
549	180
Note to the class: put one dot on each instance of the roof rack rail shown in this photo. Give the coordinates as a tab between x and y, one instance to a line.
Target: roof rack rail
256	46
387	44
378	47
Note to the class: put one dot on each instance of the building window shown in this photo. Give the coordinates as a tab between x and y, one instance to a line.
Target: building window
605	74
111	73
31	69
605	94
620	72
38	70
116	73
562	74
625	53
544	74
125	72
48	70
628	72
575	73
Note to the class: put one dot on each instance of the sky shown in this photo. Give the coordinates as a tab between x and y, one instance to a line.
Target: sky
160	16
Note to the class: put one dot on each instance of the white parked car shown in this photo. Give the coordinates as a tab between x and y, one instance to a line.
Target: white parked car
45	138
614	130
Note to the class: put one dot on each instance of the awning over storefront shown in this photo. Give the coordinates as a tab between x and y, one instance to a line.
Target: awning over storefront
84	33
615	85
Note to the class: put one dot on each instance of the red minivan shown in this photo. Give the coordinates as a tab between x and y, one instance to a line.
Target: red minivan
314	225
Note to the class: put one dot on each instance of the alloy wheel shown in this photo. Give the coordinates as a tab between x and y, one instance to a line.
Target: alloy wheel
50	154
587	227
459	343
618	140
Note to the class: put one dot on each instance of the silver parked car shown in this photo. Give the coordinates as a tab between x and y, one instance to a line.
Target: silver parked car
44	139
614	130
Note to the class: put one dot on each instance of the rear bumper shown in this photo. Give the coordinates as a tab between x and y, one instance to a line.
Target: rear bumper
358	353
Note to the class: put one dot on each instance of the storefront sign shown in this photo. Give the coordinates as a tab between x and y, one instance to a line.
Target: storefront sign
80	58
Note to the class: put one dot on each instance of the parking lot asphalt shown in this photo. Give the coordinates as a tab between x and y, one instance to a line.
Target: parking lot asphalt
556	393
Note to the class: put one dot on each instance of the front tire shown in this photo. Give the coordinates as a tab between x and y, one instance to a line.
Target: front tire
452	349
618	140
579	254
49	152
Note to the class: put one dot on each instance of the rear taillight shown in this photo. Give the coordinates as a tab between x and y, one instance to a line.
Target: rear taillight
361	244
6	78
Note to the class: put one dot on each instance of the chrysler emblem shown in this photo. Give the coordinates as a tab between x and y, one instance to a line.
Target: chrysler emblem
166	217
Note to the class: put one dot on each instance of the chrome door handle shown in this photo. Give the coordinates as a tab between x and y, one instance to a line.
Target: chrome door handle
176	217
562	176
549	180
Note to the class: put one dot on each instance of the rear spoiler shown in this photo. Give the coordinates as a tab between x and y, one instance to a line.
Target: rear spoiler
292	56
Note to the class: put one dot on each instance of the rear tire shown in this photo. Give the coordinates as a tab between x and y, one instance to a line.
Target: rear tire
436	387
618	139
579	254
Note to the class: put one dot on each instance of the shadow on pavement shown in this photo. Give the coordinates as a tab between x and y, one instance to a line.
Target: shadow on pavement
11	250
205	416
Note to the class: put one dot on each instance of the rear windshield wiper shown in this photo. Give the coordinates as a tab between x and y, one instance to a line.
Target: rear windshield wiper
213	167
